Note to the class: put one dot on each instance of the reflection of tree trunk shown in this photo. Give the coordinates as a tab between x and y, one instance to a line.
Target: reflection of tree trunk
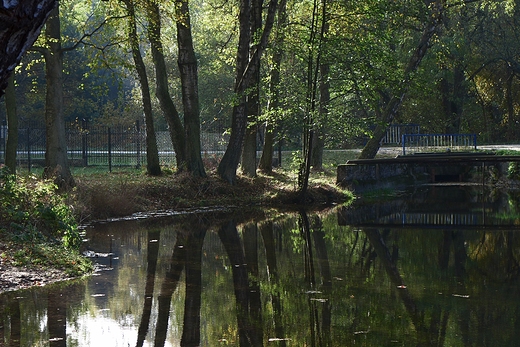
459	254
230	239
191	326
270	254
168	287
15	323
151	258
309	258
251	253
57	317
323	261
444	249
383	254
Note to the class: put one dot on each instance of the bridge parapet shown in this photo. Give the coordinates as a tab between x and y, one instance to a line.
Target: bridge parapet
427	143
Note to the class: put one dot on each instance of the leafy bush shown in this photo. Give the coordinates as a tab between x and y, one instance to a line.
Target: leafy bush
31	210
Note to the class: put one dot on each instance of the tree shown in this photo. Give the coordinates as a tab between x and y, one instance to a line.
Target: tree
185	138
249	53
20	25
430	28
190	89
273	104
56	161
162	93
152	154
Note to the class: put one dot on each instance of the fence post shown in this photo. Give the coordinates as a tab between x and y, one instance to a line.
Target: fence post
138	130
403	140
84	143
28	149
109	150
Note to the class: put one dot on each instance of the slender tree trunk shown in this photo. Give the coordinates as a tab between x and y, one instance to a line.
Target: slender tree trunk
314	62
168	108
273	104
12	126
248	61
372	147
319	134
56	162
190	89
152	154
229	163
511	128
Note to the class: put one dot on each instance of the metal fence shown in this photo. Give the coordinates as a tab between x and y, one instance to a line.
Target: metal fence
414	143
394	133
104	146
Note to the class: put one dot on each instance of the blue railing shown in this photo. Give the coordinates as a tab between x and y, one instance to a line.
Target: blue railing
428	143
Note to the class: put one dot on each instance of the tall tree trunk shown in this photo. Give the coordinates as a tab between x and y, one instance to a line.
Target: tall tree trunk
452	99
20	25
12	126
253	101
56	162
273	104
168	108
435	20
153	166
248	61
190	89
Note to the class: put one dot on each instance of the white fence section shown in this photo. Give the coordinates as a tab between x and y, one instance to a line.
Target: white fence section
428	143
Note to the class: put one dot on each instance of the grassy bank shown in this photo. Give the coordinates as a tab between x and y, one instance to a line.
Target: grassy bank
107	195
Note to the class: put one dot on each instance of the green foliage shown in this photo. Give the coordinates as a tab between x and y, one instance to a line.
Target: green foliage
32	211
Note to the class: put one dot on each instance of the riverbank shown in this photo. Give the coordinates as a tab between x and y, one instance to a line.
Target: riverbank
101	196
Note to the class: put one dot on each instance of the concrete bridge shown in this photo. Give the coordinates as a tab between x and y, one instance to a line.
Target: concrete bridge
368	174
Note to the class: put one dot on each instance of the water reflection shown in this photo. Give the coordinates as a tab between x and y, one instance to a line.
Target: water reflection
297	279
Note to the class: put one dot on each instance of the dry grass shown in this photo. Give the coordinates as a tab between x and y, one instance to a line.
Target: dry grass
108	195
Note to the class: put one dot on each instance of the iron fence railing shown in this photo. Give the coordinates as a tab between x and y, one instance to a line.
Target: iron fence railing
114	146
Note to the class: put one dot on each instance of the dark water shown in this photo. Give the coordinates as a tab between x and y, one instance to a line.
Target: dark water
436	268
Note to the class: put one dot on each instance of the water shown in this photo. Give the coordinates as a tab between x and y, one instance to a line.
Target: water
436	268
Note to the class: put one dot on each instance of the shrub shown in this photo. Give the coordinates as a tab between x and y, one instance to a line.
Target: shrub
31	210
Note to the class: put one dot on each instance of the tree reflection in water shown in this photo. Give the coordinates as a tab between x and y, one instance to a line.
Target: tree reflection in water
298	280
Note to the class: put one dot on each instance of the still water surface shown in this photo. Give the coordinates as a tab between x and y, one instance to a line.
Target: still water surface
438	267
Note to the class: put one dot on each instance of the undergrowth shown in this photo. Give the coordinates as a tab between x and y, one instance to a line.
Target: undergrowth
37	227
